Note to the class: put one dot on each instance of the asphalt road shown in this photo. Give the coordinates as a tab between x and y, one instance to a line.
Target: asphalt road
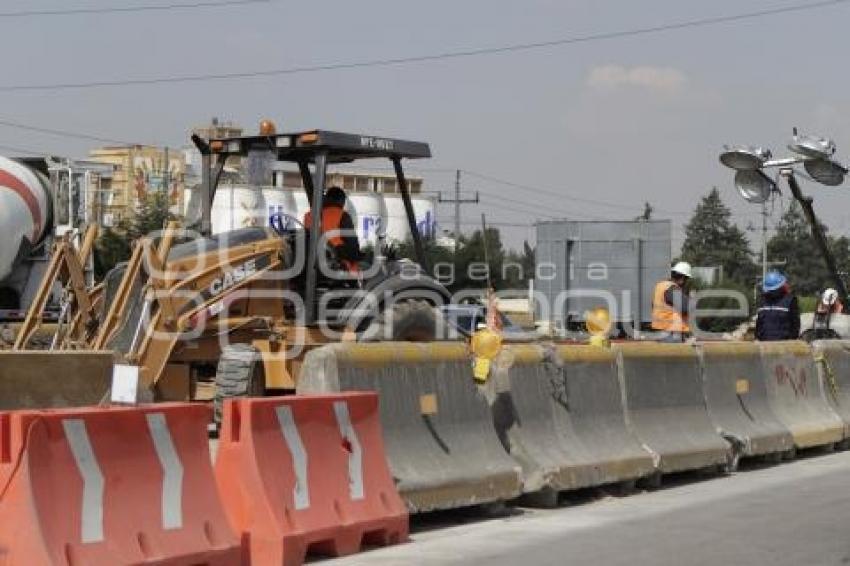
794	514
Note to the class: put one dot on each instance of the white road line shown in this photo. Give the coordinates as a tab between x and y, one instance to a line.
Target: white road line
172	471
355	458
301	492
93	483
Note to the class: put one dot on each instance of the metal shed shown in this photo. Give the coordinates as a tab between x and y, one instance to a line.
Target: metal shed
576	260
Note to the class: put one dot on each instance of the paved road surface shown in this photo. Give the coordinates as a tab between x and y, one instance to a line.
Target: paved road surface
794	514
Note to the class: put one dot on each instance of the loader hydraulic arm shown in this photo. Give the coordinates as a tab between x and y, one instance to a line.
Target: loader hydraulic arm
66	267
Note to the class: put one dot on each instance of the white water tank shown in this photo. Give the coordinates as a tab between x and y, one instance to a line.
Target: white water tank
367	214
425	211
396	219
238	206
281	208
25	210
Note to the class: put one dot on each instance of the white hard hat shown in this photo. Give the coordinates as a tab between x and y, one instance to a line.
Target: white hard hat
682	268
830	296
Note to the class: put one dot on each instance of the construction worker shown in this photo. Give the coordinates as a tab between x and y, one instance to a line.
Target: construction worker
342	238
779	314
830	303
670	304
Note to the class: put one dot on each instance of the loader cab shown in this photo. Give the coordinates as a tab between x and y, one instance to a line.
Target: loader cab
313	152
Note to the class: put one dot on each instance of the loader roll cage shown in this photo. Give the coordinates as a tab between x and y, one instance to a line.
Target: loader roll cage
316	148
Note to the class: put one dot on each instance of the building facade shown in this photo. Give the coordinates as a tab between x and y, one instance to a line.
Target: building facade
140	171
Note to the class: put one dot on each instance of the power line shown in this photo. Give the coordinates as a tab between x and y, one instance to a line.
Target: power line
559	194
500	224
549	210
459	54
129	9
66	133
515	210
26	152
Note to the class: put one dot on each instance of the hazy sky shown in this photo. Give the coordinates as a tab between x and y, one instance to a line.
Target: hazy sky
619	121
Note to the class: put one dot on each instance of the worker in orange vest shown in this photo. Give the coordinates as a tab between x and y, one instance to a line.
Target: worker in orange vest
336	221
670	304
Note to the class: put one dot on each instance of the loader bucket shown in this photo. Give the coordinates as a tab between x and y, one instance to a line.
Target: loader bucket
41	379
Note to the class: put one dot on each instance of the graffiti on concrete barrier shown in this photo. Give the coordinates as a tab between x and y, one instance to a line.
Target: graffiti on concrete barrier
796	379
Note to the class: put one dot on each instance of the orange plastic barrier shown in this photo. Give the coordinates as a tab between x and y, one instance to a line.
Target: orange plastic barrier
111	486
307	475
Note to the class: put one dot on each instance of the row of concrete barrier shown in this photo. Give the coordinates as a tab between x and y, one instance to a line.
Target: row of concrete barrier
559	418
120	486
311	474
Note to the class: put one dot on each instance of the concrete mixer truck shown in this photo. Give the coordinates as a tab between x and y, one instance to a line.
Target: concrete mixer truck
40	199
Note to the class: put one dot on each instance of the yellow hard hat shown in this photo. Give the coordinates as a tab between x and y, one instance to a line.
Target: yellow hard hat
598	321
486	343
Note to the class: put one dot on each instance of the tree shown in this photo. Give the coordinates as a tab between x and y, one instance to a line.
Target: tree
711	239
114	245
805	266
466	268
518	278
151	215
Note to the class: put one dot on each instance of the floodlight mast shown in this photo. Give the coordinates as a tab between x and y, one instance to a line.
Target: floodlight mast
817	232
815	154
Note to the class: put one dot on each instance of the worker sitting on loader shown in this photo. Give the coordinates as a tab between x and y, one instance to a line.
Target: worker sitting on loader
339	227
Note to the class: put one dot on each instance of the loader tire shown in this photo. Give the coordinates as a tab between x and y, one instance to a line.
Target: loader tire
239	374
411	320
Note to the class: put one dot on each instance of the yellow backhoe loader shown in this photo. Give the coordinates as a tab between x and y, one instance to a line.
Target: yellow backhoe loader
215	316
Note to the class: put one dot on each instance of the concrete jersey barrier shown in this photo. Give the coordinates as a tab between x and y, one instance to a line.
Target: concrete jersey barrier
832	360
561	416
736	392
797	396
666	406
442	448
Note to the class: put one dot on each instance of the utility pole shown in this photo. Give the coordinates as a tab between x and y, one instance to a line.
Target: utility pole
166	174
763	240
457	201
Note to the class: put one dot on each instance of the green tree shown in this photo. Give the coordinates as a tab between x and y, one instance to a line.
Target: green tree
518	277
466	268
111	248
114	244
805	266
711	239
151	215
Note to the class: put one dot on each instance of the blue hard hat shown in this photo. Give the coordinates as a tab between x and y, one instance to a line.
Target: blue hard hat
773	281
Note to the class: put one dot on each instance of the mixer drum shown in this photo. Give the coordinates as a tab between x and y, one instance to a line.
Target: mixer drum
24	212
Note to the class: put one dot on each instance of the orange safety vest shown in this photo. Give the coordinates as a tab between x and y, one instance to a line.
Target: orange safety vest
664	316
331	221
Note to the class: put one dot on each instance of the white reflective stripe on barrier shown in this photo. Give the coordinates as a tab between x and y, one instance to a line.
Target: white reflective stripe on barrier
93	485
301	491
355	457
172	471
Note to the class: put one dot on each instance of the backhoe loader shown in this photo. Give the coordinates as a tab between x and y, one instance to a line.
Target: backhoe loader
215	316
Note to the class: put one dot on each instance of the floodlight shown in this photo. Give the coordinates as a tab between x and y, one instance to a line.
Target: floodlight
754	186
825	171
744	157
812	147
